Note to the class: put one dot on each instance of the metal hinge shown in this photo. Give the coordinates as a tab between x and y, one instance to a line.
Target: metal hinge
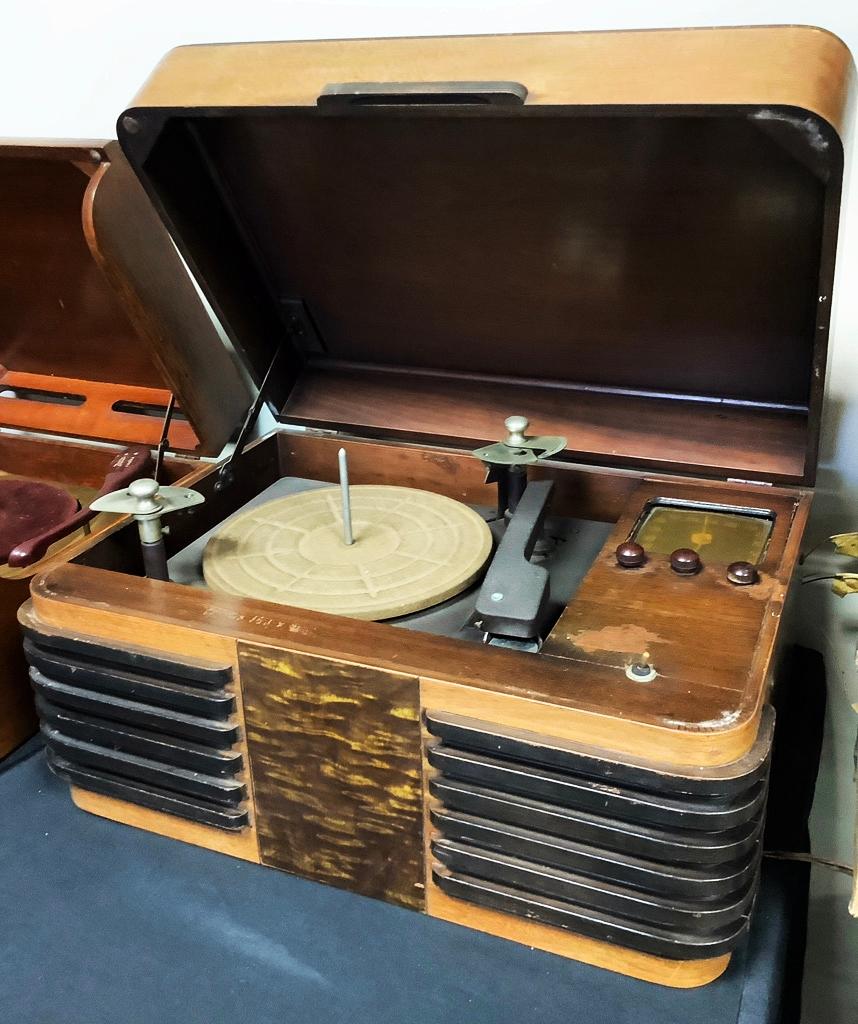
756	483
294	428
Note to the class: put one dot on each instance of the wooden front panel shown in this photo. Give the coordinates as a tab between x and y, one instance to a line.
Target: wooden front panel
335	757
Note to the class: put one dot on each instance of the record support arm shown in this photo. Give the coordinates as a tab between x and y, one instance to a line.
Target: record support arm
226	473
507	461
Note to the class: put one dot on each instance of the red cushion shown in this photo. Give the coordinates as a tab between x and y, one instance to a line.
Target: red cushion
28	508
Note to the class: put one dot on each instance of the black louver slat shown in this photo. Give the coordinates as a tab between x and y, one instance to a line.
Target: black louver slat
659	862
156	732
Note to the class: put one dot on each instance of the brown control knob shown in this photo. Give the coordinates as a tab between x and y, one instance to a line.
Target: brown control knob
685	561
630	555
743	574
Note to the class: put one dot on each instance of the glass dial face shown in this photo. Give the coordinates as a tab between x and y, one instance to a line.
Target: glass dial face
717	536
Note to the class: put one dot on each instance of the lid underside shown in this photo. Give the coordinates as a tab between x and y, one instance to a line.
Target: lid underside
652	282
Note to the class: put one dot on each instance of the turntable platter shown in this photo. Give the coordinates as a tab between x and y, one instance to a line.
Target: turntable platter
412	549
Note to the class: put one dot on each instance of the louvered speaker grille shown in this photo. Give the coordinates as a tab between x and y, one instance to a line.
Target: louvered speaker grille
159	733
654	861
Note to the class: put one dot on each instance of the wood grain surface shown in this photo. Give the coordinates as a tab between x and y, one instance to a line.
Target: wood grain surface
102	412
787	65
577	700
583	493
335	758
631	431
59	314
702	709
64	329
673	973
241	844
698	710
518	194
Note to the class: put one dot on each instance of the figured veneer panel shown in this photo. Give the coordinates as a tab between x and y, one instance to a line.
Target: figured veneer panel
335	757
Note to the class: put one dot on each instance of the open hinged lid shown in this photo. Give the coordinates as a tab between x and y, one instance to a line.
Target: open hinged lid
627	237
71	361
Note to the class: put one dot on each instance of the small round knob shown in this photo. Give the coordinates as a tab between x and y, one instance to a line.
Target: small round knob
630	555
640	668
743	574
516	425
145	491
685	561
143	488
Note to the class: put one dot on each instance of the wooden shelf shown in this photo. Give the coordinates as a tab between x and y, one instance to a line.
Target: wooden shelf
605	428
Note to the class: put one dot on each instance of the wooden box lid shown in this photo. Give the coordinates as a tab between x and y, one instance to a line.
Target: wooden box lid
71	362
638	256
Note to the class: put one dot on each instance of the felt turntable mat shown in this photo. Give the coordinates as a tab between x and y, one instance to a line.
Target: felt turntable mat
28	508
412	549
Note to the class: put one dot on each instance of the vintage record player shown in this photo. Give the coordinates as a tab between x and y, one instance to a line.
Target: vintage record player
486	626
82	400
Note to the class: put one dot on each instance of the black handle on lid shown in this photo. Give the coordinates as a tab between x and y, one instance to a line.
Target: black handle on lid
403	94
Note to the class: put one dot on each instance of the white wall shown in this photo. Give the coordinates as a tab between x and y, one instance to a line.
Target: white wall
67	70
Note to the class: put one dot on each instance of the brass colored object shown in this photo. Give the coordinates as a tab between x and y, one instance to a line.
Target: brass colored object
517	449
718	535
641	669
